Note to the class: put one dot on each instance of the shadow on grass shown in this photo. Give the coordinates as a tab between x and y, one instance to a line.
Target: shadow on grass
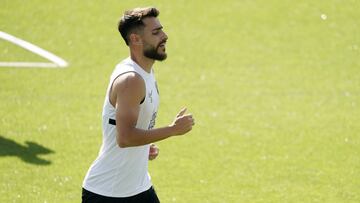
28	153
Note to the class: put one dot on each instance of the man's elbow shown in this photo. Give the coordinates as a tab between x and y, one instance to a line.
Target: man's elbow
123	144
122	140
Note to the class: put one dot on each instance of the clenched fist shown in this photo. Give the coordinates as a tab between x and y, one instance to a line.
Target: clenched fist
182	123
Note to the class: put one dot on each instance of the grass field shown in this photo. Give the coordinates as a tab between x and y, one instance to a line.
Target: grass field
274	87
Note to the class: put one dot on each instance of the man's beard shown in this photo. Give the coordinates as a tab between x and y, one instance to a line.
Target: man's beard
151	52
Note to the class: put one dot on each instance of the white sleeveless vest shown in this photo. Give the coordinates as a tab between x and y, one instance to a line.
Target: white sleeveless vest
123	172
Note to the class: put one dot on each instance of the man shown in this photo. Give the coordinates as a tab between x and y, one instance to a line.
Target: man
120	172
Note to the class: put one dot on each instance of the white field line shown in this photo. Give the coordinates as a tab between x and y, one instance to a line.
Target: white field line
57	61
29	64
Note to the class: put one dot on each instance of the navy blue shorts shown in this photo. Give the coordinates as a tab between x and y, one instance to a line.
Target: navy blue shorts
149	196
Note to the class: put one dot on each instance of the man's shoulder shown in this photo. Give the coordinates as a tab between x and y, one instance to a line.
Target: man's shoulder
130	84
130	76
129	79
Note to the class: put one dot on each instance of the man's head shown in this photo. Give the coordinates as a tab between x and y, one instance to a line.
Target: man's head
140	27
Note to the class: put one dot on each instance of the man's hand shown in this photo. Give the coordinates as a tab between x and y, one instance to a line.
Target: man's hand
153	152
182	123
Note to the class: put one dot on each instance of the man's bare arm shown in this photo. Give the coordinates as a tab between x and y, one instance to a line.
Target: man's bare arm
129	90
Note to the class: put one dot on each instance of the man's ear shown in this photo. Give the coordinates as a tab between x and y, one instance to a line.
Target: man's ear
135	39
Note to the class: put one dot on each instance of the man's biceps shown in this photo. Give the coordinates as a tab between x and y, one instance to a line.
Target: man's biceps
127	113
128	100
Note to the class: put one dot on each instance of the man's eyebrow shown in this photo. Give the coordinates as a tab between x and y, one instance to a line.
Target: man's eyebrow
158	28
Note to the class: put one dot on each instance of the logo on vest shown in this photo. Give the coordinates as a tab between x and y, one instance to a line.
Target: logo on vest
152	121
150	96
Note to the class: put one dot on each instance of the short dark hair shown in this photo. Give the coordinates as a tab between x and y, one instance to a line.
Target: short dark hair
131	21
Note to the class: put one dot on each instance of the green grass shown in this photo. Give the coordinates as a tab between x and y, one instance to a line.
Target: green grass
274	88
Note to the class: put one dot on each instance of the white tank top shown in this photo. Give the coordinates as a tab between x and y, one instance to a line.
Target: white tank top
123	172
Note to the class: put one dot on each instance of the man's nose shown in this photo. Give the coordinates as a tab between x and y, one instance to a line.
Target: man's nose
165	37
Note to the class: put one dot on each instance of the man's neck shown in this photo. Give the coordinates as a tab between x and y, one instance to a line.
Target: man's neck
144	62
